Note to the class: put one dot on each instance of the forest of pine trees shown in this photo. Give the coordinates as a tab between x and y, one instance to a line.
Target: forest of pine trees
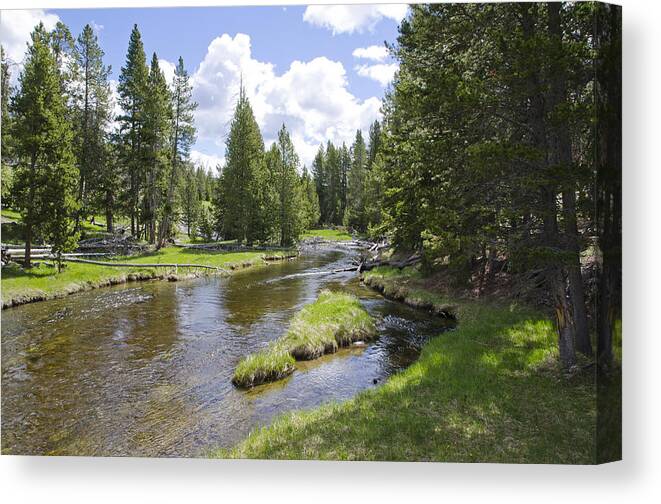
493	143
66	159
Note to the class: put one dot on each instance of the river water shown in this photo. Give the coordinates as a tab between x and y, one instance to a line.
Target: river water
144	369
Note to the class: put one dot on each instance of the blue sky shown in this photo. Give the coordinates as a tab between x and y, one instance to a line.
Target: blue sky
321	70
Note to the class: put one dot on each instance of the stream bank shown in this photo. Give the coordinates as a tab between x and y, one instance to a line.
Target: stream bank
42	283
144	369
488	391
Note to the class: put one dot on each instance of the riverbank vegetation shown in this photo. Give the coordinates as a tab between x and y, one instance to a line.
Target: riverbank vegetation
334	320
490	391
20	286
334	234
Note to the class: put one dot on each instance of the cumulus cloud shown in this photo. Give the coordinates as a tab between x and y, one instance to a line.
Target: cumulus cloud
114	103
352	18
374	53
209	161
382	73
15	29
168	70
96	27
311	98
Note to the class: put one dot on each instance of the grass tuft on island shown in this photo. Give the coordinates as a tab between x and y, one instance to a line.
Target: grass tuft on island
488	391
334	320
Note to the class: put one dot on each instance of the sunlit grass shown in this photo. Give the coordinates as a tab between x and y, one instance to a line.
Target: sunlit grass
333	320
327	234
488	391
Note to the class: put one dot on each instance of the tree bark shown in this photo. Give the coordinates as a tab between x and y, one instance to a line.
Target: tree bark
561	154
555	276
564	320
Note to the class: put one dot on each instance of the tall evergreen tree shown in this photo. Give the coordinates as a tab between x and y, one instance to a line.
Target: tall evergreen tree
374	143
287	188
356	216
345	169
133	92
63	45
321	183
92	116
6	127
155	139
183	137
332	167
47	181
310	206
242	187
190	198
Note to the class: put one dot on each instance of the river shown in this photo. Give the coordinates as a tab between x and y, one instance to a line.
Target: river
144	369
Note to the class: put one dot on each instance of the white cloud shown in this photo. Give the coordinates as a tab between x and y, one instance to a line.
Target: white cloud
96	27
382	73
352	18
15	29
168	70
208	161
374	52
114	104
311	98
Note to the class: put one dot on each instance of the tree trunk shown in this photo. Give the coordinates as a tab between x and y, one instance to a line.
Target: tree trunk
548	192
564	319
109	216
561	155
28	246
576	288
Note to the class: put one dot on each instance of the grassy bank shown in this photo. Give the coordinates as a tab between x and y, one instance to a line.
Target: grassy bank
43	282
489	391
327	234
332	321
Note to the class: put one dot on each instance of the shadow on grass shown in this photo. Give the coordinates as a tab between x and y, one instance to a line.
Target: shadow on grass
36	272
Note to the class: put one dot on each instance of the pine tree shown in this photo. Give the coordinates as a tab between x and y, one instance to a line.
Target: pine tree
47	180
242	187
334	180
183	137
375	143
133	92
63	46
345	168
311	212
287	188
356	216
321	183
6	127
92	115
155	137
190	200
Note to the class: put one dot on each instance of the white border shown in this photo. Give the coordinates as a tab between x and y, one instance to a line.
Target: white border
82	479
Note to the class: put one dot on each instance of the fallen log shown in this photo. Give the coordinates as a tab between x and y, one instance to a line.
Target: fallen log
145	265
368	265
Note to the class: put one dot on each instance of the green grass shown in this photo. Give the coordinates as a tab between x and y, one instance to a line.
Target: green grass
488	391
327	234
332	321
11	214
43	282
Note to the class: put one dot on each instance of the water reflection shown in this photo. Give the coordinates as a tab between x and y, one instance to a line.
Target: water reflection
145	370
